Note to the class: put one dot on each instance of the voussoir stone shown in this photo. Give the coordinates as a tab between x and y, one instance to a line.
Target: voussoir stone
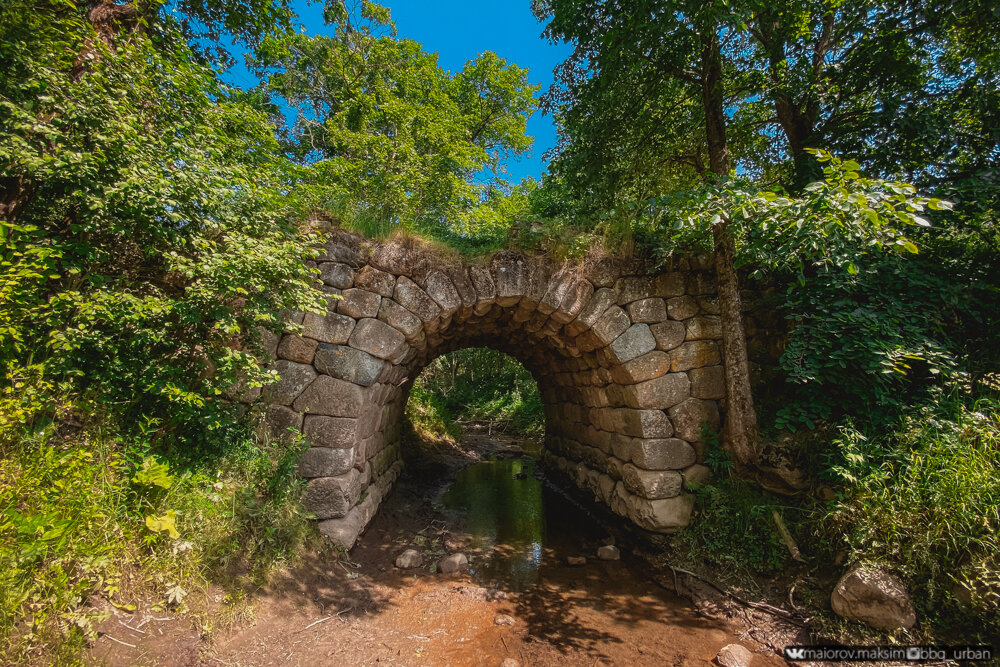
651	484
400	318
347	363
648	311
296	348
293	379
359	303
661	453
334	432
377	338
409	295
874	597
592	311
442	290
691	416
510	277
331	397
612	324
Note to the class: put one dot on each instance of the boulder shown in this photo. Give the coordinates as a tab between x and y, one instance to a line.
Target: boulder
608	552
453	563
874	597
409	559
733	655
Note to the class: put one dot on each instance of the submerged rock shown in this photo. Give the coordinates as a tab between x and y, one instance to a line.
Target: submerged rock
576	561
873	597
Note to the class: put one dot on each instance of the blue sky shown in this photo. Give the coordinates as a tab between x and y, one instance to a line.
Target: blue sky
458	31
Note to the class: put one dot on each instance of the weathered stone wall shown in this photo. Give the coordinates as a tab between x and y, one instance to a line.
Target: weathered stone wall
628	367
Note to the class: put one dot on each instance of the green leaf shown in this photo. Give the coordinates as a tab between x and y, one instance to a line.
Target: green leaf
166	523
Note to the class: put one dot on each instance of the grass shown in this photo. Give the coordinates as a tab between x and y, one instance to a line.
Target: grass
96	513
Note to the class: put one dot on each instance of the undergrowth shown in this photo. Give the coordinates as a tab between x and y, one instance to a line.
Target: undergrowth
100	514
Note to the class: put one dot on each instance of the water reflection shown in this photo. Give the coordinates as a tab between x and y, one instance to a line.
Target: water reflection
513	520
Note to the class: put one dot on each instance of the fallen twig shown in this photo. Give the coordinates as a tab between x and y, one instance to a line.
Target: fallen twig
762	606
786	537
322	620
131	628
118	641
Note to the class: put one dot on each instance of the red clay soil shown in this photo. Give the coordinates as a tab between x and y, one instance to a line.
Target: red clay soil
370	613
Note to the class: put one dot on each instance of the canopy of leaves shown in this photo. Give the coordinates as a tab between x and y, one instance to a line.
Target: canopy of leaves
393	139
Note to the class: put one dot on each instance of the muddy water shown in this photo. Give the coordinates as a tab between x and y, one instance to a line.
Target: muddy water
515	521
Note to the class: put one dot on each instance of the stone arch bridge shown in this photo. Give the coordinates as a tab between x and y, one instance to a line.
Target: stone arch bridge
628	366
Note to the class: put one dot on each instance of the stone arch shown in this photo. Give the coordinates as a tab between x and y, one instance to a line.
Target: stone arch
627	364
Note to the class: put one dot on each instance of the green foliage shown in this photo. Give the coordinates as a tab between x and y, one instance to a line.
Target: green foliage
391	138
144	229
98	514
475	384
923	500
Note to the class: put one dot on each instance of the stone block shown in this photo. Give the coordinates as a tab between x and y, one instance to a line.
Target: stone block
331	397
701	283
280	424
347	363
694	354
578	295
635	341
377	338
666	515
682	307
343	251
668	285
336	274
334	432
668	335
690	416
375	280
486	289
612	324
325	462
704	327
328	328
708	382
651	484
293	379
298	349
332	497
442	290
643	423
400	319
510	277
592	311
409	295
646	367
709	304
648	311
660	393
359	303
633	288
661	454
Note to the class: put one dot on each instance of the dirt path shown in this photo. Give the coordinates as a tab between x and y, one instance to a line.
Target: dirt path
370	613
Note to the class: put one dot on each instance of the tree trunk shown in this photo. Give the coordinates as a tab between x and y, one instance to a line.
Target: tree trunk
740	434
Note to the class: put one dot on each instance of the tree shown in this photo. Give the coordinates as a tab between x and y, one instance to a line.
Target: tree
392	138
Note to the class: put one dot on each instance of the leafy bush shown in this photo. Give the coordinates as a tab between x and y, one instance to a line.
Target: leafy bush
924	501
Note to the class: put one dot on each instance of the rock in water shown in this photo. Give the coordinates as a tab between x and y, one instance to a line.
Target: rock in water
734	655
576	561
608	552
874	597
453	563
409	559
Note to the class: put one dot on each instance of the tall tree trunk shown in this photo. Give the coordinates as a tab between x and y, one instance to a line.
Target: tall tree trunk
740	436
